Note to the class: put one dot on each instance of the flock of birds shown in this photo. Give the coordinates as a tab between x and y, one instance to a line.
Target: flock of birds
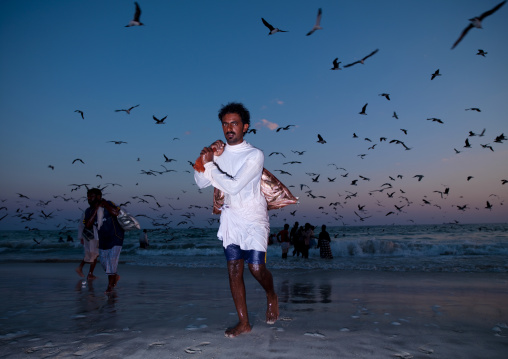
163	217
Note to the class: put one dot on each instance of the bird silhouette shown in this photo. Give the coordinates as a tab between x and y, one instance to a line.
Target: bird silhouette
386	95
317	25
135	20
161	121
81	113
362	61
272	29
363	110
477	22
481	52
336	64
128	111
320	139
435	74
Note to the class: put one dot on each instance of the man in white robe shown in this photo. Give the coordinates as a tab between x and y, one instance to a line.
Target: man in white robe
236	170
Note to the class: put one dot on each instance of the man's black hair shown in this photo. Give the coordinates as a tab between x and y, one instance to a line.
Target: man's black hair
238	108
95	191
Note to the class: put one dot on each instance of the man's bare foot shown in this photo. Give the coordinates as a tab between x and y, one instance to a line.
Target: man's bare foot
117	278
109	290
272	310
239	329
91	276
80	272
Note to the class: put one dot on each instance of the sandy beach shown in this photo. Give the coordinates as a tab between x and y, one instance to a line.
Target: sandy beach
165	312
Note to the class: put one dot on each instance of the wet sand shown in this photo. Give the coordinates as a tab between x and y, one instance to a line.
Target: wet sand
47	312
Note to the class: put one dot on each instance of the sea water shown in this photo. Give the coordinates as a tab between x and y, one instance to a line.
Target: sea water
434	248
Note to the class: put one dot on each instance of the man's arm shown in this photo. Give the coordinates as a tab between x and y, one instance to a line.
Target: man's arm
114	210
252	167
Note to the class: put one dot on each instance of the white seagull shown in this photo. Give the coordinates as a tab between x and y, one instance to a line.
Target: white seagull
317	24
135	21
477	22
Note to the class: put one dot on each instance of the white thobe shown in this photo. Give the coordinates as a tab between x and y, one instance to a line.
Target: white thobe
237	173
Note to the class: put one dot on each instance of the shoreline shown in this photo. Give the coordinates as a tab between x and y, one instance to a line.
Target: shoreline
176	312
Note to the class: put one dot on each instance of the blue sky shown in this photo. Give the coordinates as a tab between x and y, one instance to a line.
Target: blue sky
191	57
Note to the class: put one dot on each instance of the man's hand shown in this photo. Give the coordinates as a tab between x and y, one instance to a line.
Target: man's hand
218	147
206	155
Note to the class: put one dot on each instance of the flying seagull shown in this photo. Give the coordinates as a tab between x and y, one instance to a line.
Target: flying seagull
135	21
477	22
481	52
336	64
159	122
320	139
436	73
316	25
386	95
363	109
128	111
81	113
362	61
272	29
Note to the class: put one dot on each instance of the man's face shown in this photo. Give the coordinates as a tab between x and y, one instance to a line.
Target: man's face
233	128
93	199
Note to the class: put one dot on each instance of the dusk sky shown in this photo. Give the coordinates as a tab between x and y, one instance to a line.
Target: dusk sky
191	57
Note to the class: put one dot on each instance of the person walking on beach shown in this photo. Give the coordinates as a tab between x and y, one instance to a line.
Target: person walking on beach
324	240
236	170
90	244
100	218
143	240
283	239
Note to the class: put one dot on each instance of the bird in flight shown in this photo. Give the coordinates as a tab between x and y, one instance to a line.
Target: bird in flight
166	159
436	73
433	119
419	177
363	109
272	29
317	25
481	52
473	109
118	142
159	122
135	21
284	128
477	22
81	113
78	159
362	61
128	110
336	64
277	153
320	139
386	95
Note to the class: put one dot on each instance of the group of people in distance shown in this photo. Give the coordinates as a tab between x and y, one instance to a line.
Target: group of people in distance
300	238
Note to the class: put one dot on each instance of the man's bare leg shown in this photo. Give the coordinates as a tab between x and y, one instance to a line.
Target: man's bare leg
79	269
237	286
90	271
264	277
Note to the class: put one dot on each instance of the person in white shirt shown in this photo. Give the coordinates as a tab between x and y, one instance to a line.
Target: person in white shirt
236	170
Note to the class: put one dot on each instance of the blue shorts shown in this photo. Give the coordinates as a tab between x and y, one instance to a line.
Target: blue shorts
234	252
